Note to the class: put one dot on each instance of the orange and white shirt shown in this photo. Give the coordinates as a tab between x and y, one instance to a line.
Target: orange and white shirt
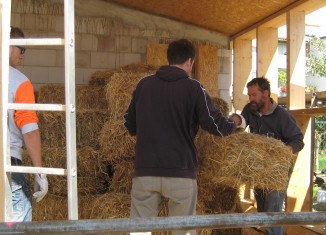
20	121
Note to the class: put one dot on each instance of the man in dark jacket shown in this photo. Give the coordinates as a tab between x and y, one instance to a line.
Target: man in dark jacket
165	113
265	117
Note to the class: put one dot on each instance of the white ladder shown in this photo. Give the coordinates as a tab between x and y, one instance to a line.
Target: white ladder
69	108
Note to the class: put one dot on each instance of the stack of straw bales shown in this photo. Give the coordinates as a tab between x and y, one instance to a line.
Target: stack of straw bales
93	175
103	142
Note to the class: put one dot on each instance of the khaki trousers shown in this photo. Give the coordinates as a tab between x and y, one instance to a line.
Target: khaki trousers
147	192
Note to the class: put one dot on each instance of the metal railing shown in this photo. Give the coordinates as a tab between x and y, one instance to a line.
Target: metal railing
165	223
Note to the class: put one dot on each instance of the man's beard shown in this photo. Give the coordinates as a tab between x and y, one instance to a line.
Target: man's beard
254	107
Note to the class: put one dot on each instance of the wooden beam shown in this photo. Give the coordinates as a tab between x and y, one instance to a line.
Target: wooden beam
309	112
278	19
267	54
242	67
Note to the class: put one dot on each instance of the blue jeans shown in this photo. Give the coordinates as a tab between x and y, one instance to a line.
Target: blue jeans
270	201
21	198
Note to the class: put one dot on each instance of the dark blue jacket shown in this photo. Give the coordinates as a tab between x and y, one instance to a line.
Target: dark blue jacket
165	113
277	123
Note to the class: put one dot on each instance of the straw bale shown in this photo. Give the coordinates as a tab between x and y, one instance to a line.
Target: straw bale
54	207
222	105
224	200
122	176
138	68
88	126
51	207
87	97
245	158
157	54
108	206
207	68
92	173
229	231
120	88
100	78
115	141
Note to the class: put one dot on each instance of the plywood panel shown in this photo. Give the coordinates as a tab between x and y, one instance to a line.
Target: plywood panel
206	68
227	17
267	53
241	71
157	54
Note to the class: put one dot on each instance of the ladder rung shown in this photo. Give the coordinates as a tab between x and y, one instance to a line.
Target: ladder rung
42	107
36	170
37	41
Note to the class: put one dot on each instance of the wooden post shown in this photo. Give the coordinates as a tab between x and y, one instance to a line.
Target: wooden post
296	60
267	53
299	196
242	68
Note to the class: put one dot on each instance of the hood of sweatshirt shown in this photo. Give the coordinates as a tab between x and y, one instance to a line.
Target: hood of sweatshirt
171	73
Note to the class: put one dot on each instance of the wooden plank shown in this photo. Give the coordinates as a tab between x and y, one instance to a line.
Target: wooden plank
157	54
304	230
267	56
206	68
296	60
241	71
308	96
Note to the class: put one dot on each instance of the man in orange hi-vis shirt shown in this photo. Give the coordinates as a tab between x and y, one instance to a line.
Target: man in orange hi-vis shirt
24	132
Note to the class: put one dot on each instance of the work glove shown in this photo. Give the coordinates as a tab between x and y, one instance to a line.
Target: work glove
40	186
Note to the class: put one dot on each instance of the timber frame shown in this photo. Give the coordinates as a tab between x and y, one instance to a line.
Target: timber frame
299	193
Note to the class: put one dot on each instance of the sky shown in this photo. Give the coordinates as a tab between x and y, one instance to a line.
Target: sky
315	24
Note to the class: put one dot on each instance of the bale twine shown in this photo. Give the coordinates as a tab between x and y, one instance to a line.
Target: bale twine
116	142
245	158
87	97
88	126
122	176
120	88
92	174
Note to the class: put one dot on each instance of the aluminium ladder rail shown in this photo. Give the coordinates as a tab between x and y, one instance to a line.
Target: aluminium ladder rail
69	108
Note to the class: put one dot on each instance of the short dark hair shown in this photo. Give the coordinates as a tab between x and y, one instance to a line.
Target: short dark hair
180	51
262	83
16	32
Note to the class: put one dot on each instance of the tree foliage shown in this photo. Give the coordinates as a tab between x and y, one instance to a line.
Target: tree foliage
316	59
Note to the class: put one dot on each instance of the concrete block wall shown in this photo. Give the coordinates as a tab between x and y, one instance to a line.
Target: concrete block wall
224	75
107	36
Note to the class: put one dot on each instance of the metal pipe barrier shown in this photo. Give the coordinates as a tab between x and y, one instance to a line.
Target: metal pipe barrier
164	223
